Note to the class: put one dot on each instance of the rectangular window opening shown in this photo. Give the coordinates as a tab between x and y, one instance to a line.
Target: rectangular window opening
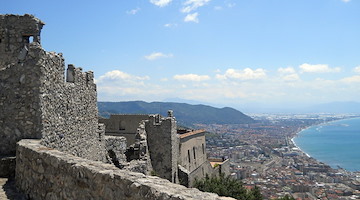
189	155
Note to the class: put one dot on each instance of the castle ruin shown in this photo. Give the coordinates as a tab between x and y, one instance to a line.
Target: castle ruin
49	124
176	155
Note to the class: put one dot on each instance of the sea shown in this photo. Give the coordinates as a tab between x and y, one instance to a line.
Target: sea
335	143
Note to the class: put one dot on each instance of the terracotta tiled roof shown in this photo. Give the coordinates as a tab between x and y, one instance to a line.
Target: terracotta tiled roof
191	133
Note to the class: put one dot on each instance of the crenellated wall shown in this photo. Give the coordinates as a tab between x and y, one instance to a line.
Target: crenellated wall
69	110
35	99
45	173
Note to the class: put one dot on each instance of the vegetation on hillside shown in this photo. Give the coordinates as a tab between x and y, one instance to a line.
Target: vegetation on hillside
185	114
229	187
286	197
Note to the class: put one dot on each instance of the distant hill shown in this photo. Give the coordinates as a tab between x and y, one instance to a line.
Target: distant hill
185	114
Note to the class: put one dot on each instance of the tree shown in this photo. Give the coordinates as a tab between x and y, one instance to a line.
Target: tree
227	186
255	193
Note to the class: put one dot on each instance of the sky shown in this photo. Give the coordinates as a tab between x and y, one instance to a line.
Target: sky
239	53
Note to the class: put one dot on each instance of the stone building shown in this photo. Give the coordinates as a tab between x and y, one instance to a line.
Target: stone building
49	121
176	155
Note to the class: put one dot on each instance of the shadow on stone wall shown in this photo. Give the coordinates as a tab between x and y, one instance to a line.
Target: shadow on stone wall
10	191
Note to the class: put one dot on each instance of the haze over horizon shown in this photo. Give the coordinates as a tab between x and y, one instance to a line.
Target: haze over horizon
220	52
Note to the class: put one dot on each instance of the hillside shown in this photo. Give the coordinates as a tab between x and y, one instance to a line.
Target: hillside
185	114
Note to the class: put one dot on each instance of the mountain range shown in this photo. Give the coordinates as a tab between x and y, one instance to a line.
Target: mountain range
185	114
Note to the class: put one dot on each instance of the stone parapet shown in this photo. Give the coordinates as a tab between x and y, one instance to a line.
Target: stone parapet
45	173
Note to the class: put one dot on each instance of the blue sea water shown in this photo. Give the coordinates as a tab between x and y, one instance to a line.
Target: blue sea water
335	143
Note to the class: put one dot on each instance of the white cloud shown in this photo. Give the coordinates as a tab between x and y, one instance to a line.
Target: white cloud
357	69
352	79
160	3
319	68
191	5
119	75
192	18
291	77
345	1
157	55
133	11
191	77
246	74
287	70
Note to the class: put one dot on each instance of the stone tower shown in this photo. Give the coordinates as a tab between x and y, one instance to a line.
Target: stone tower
35	99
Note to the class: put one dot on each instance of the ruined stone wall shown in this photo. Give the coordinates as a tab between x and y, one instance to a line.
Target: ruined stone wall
44	173
20	115
69	110
123	125
163	144
35	100
16	31
116	148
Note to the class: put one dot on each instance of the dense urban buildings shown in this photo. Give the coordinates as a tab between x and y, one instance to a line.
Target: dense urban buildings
264	155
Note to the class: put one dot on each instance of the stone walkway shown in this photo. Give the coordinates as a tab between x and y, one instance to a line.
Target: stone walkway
9	191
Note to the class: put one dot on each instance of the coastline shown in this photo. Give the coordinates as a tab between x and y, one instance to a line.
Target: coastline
293	143
296	146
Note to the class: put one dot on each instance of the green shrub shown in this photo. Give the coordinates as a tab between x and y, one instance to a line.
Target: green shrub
227	186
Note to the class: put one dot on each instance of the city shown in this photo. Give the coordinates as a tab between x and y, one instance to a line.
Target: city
264	155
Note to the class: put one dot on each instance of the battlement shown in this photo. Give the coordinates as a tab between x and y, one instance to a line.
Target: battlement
76	75
37	101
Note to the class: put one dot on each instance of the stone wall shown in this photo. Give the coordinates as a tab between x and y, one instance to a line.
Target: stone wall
45	173
69	109
163	144
16	31
35	99
20	115
123	125
116	148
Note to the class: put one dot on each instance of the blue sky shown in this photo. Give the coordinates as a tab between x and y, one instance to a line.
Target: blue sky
222	52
